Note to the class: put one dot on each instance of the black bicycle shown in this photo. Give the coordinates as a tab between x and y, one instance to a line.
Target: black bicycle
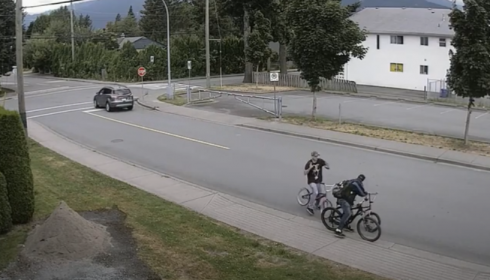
370	221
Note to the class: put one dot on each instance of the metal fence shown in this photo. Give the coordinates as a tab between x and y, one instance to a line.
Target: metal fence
295	81
199	96
438	91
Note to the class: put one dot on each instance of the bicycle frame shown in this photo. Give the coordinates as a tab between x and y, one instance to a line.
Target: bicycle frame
362	211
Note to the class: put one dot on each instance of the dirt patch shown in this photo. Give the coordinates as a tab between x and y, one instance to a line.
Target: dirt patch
86	245
254	88
478	148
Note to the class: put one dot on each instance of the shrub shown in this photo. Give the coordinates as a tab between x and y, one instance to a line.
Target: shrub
5	210
16	166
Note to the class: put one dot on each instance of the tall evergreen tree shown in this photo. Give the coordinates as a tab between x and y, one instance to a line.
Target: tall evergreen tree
7	35
118	18
153	20
130	12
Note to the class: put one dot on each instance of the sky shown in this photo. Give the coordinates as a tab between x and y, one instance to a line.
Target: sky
31	11
27	3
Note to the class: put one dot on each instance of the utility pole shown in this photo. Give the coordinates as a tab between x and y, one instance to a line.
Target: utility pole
208	56
20	62
72	33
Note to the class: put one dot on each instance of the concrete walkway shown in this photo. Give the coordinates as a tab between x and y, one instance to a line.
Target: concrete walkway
403	149
385	259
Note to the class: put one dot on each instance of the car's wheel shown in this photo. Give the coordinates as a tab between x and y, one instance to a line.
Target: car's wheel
95	104
130	108
108	107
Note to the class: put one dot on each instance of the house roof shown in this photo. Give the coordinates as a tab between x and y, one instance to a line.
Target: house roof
122	41
405	21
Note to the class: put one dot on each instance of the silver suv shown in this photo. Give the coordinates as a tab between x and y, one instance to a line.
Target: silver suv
114	97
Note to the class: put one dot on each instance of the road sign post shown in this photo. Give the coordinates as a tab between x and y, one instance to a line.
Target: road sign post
141	73
189	67
274	77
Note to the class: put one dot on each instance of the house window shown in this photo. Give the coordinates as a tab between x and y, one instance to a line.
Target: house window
398	40
442	42
396	67
424	70
424	41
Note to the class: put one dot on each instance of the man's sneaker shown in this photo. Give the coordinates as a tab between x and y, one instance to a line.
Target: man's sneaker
349	228
309	210
339	233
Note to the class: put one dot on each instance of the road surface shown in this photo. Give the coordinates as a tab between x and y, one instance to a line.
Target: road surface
433	207
424	118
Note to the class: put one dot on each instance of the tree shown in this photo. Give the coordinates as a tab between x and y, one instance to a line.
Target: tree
130	12
258	51
324	40
7	35
5	209
153	20
16	166
281	32
469	74
118	18
244	10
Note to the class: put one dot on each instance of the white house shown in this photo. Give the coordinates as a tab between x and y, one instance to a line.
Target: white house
409	48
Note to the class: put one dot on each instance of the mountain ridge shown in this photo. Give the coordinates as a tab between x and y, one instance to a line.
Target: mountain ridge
103	11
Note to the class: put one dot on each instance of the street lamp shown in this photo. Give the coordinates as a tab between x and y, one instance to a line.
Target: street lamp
170	91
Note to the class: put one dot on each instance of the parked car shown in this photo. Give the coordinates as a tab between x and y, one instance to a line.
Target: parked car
114	97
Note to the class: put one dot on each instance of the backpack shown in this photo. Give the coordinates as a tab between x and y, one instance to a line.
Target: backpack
337	191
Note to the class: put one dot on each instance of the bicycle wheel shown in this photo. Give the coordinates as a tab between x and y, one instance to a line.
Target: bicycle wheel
370	226
331	218
326	204
304	196
376	217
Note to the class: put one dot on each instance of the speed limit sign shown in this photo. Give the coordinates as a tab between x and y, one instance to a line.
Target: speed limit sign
274	77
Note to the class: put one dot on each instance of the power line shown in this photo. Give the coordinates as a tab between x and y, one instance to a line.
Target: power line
52	4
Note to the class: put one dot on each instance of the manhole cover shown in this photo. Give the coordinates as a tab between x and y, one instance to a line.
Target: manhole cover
117	141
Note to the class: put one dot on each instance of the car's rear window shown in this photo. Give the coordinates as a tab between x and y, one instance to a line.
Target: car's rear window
123	91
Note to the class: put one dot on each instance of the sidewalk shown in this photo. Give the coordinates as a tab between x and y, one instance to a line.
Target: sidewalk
392	147
382	258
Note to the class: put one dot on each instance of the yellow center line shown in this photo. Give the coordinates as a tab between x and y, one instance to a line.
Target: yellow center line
159	131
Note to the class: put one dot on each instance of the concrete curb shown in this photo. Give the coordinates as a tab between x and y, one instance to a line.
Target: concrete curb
406	154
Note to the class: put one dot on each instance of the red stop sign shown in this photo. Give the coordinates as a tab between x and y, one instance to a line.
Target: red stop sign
141	71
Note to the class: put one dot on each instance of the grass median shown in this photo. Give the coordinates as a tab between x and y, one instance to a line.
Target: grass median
177	243
478	148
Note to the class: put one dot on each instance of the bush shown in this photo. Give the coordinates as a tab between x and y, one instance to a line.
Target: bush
5	210
16	166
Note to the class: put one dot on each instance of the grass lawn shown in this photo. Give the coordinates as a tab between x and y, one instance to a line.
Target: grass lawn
177	243
393	135
180	99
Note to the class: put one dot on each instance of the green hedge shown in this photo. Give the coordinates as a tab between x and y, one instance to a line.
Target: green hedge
5	210
48	56
16	166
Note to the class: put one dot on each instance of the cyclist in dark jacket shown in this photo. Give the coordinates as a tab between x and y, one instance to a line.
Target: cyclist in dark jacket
351	189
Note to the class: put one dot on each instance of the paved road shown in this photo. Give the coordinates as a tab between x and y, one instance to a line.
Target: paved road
429	206
439	120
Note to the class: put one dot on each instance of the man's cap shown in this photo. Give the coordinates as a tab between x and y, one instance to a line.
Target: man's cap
315	154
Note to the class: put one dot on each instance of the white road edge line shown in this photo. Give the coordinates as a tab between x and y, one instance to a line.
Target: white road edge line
447	111
56	107
93	110
379	104
482	115
56	113
58	91
418	106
